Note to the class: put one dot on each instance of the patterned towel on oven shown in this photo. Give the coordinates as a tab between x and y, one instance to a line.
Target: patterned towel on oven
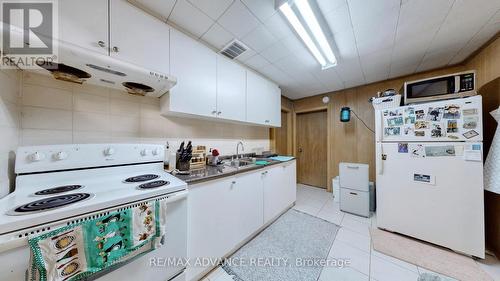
83	249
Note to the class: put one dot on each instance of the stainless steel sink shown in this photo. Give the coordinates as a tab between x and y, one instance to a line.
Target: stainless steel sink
239	163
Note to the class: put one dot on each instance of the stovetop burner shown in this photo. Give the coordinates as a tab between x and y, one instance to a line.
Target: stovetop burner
50	203
153	184
59	189
142	178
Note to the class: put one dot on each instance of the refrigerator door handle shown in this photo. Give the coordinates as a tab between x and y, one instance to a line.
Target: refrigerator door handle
379	161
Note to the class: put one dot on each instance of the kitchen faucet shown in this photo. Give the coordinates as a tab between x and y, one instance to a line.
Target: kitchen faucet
237	151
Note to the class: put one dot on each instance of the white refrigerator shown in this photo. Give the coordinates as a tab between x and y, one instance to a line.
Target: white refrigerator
429	172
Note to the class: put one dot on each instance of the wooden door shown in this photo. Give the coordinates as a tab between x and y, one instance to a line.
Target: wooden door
282	136
312	148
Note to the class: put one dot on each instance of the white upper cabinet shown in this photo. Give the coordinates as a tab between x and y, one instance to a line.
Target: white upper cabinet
263	101
231	90
138	38
85	24
195	67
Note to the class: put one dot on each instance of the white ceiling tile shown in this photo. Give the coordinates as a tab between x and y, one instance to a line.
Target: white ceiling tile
157	8
262	9
259	39
373	36
275	74
350	70
346	44
213	8
217	36
417	17
256	61
376	66
404	66
485	34
329	78
246	55
328	5
275	52
190	18
238	20
370	12
278	26
437	59
339	19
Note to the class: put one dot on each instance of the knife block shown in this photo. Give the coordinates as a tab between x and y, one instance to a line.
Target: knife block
181	165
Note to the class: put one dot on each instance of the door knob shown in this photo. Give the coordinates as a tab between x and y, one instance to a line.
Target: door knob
300	149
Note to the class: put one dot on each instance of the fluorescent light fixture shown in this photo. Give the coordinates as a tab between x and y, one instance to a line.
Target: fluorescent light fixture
300	15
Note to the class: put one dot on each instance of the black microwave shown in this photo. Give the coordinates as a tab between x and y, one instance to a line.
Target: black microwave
444	87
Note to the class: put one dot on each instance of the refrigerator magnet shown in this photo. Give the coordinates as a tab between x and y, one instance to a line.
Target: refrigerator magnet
416	150
451	112
437	131
470	122
423	178
392	131
438	151
402	148
452	126
435	114
420	114
469	111
470	134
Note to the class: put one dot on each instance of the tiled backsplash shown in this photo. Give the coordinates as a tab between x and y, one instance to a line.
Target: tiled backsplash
36	110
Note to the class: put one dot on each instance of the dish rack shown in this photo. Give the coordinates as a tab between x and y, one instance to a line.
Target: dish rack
386	102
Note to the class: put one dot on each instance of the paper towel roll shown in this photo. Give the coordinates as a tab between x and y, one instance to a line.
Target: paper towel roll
492	165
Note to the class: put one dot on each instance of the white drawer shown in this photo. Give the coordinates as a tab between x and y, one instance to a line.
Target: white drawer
354	176
355	201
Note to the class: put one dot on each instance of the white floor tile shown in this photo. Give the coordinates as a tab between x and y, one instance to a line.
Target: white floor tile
354	239
382	270
356	226
491	265
342	274
396	261
443	278
359	260
312	210
331	215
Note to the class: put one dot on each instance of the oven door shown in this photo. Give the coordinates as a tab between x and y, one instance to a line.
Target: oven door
430	89
14	255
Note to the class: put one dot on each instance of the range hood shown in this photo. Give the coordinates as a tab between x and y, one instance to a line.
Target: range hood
79	65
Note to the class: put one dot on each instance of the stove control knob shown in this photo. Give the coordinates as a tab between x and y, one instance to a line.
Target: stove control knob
109	151
61	155
145	152
156	152
37	156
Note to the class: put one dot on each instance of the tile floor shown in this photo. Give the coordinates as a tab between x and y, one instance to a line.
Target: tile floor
353	242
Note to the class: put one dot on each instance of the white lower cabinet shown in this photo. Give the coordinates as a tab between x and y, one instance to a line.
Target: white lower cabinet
225	212
279	189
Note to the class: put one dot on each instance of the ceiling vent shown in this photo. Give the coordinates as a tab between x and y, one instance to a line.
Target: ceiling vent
234	49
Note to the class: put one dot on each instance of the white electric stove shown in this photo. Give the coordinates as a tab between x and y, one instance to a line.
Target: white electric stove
59	185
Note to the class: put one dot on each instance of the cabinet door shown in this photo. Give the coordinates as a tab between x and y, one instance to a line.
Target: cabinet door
231	90
257	100
194	65
211	232
275	105
248	205
290	188
85	24
273	192
138	38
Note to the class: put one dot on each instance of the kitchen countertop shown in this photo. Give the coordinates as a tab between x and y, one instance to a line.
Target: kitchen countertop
220	171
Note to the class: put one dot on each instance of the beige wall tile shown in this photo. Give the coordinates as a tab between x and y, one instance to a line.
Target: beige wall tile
91	89
45	118
125	124
150	110
89	121
124	107
41	96
91	103
10	84
91	137
9	114
44	137
45	80
150	128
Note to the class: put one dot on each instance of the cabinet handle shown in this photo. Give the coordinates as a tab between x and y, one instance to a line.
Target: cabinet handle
101	44
116	49
353	193
264	173
233	182
218	113
267	121
353	167
214	112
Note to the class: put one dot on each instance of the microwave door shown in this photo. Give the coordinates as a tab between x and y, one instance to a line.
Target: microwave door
430	88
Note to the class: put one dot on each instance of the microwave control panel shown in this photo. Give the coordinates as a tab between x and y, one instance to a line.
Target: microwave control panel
466	82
